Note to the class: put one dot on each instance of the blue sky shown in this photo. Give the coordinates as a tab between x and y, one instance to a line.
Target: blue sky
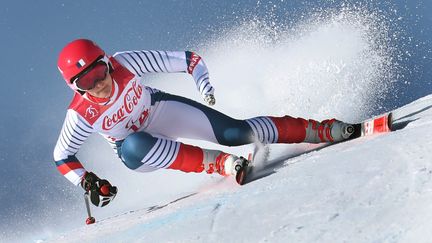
34	97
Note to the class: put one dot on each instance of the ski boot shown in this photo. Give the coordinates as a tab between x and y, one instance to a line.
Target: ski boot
226	164
229	164
240	168
329	131
243	170
341	131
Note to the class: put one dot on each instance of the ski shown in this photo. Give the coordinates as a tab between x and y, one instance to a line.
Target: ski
376	125
381	124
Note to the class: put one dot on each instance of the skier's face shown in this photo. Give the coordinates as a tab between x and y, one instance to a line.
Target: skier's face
102	88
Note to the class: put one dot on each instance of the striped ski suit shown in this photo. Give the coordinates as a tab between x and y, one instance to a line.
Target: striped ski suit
142	123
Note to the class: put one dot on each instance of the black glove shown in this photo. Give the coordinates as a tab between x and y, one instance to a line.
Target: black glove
101	192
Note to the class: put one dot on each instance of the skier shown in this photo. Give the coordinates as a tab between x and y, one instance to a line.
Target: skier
142	123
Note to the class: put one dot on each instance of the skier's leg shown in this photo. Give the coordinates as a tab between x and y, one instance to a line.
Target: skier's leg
143	152
177	116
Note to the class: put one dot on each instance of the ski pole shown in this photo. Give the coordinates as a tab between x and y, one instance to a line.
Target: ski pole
90	219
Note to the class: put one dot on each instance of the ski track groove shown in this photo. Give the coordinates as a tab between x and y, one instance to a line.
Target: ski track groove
213	224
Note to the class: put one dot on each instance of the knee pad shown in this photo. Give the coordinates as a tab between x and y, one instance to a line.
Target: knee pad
135	147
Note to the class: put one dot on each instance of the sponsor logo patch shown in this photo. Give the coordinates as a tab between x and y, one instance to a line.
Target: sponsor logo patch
91	112
194	59
130	101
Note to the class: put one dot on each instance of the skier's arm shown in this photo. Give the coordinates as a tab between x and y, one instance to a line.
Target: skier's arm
74	132
141	62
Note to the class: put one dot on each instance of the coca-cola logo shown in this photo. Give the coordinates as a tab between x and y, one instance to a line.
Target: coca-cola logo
194	59
130	101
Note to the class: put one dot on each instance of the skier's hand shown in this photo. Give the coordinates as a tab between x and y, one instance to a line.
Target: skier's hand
210	99
101	191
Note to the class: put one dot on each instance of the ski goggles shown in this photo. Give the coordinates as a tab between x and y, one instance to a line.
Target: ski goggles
96	72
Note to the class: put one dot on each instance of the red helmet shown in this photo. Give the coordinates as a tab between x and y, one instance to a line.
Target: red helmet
76	57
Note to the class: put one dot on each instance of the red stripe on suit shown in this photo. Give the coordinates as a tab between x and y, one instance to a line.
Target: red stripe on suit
189	159
290	130
69	166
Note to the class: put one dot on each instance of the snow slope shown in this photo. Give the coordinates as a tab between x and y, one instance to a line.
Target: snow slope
374	189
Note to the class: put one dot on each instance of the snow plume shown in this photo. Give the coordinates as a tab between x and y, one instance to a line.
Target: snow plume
332	64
